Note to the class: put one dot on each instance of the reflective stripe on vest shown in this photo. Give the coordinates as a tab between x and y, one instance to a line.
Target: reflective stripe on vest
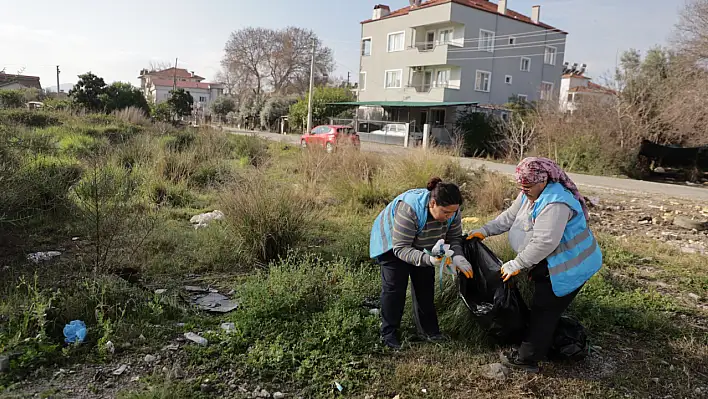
580	258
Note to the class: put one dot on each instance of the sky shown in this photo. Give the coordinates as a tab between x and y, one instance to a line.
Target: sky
115	39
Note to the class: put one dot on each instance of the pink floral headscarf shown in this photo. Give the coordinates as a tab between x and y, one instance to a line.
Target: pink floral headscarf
534	170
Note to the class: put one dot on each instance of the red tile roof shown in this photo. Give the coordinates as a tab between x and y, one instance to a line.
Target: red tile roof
182	84
483	5
592	88
170	73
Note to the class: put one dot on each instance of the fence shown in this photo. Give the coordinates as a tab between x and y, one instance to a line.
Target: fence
383	132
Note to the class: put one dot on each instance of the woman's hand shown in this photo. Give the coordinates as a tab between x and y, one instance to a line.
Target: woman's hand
476	234
510	269
437	260
462	265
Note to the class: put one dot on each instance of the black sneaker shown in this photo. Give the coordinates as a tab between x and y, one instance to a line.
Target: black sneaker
511	359
391	342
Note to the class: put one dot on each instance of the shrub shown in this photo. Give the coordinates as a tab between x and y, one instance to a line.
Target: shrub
167	193
41	184
479	133
267	218
253	149
182	140
132	115
11	99
82	146
489	192
28	118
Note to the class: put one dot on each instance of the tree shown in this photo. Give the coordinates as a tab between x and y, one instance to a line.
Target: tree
223	105
121	95
478	133
162	112
517	136
278	60
324	105
87	92
180	103
11	99
275	108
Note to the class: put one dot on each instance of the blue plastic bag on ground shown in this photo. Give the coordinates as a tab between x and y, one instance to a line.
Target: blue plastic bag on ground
75	331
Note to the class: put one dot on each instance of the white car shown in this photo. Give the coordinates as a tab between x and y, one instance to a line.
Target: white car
399	130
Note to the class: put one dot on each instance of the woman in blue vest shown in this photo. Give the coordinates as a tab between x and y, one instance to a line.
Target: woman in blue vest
413	222
548	229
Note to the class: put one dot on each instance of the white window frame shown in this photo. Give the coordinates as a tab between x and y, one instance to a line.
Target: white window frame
508	79
521	66
481	45
477	78
522	97
541	91
512	40
553	56
400	84
437	73
450	37
429	45
362	88
371	44
388	41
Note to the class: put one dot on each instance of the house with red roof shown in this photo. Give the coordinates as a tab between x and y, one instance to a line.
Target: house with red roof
426	61
577	88
157	85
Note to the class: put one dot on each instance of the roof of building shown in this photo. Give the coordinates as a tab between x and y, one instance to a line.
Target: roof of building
184	85
592	88
170	72
25	80
575	75
482	5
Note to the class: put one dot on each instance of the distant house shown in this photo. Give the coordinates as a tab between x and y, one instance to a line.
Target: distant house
10	82
576	88
156	86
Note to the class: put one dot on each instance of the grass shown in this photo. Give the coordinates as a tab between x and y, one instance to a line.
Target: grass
294	249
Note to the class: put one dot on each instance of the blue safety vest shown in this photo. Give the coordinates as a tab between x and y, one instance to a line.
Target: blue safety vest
381	240
578	257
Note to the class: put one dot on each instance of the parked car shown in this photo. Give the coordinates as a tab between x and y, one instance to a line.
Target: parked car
399	130
330	137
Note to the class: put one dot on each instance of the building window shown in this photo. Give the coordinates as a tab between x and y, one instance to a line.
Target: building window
549	57
512	41
483	81
486	40
366	47
570	97
362	81
525	64
395	41
546	90
393	79
508	79
442	78
445	36
522	98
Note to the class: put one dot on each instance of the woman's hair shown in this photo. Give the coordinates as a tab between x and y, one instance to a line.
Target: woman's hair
444	194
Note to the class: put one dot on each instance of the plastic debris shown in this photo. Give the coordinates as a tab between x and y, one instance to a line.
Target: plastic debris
203	220
120	370
196	338
374	311
75	331
42	256
210	300
470	219
278	395
110	348
339	386
228	327
496	371
149	358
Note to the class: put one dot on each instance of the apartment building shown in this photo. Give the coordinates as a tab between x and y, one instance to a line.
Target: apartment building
435	56
156	86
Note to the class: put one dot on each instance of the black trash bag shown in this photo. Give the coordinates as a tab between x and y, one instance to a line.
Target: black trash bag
497	306
570	341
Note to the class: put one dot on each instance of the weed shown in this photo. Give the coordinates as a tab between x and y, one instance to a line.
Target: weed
28	118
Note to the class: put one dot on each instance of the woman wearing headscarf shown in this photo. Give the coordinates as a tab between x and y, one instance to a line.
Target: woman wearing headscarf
404	238
548	229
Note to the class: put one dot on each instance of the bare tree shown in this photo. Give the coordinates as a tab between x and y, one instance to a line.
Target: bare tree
518	135
154	66
276	60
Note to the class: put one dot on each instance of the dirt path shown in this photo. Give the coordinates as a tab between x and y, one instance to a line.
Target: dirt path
595	182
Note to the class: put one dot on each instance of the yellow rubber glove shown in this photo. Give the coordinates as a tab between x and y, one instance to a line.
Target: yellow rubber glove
476	234
509	270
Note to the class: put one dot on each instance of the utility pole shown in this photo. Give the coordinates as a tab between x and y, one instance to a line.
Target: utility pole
174	79
58	89
312	81
348	76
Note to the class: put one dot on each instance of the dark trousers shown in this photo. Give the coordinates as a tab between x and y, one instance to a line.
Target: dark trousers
394	283
546	310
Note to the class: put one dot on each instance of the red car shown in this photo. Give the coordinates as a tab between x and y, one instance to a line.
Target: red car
330	137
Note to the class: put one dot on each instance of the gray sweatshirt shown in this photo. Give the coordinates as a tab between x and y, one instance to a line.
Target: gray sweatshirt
408	245
532	241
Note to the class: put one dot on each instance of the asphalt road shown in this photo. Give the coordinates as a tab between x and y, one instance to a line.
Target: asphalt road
596	183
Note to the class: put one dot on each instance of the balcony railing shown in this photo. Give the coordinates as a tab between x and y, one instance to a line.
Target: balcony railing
426	88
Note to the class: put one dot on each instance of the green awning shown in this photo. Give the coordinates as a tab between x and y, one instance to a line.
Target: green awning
405	103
